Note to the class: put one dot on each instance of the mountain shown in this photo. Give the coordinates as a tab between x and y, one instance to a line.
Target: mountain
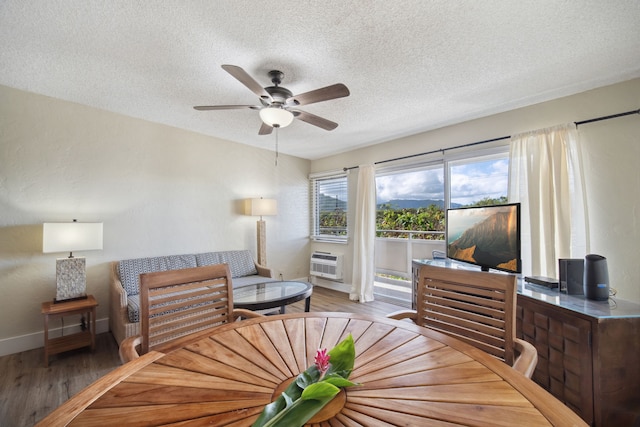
491	242
328	203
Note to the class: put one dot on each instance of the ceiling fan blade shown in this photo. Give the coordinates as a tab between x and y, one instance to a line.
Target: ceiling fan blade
265	129
315	120
337	90
244	78
225	107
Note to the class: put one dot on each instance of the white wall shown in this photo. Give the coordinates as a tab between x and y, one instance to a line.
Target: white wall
158	190
611	157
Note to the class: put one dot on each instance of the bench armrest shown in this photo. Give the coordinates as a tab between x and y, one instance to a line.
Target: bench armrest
118	315
242	313
403	314
128	349
263	271
526	357
117	290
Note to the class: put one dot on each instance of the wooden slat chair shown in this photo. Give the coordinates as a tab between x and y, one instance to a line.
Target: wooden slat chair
476	307
177	303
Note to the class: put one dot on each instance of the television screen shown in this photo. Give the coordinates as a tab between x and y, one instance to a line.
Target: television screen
488	236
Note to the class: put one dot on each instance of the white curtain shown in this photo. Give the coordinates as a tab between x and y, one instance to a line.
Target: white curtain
545	176
364	233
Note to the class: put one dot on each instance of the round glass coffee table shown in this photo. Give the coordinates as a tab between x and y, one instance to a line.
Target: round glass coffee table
261	296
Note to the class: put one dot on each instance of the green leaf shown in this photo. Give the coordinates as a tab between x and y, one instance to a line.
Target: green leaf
339	381
284	401
298	414
320	391
287	399
342	358
310	376
269	412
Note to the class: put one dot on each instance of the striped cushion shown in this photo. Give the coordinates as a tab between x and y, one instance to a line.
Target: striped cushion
130	270
208	258
240	262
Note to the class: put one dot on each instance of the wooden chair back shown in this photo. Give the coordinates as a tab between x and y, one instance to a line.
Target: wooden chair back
476	307
177	303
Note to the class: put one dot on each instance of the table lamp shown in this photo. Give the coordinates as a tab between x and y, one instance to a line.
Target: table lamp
71	279
262	207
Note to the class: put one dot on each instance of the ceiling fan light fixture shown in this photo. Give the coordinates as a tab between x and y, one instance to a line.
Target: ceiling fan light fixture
276	116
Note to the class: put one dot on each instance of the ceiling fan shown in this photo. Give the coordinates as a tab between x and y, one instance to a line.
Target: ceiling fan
278	105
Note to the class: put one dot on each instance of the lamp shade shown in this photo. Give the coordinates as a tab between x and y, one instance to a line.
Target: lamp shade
276	117
71	236
262	207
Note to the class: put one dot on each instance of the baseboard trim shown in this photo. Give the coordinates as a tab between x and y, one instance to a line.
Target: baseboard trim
330	284
36	340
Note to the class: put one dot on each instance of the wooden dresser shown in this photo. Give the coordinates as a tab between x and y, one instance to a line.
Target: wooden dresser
588	351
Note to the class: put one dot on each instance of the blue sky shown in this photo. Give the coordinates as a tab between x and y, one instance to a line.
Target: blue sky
470	182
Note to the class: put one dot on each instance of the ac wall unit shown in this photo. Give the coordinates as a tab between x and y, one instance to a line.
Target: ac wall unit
326	265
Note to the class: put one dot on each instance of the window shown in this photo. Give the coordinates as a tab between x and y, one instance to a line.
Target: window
329	198
479	180
411	201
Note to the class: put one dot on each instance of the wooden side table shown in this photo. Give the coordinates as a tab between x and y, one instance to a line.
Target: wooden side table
77	340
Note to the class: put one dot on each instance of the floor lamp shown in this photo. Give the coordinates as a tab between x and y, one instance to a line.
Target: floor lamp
262	207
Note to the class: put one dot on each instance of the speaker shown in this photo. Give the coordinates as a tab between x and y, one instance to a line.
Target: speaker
571	275
596	278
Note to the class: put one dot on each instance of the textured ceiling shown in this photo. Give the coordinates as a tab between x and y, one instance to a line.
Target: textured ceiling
411	66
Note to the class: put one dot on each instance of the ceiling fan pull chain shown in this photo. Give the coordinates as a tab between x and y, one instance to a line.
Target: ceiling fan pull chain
277	127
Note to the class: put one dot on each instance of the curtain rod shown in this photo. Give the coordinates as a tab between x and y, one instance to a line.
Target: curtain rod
442	150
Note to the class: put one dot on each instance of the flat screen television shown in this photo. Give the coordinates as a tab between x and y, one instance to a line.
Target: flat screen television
487	236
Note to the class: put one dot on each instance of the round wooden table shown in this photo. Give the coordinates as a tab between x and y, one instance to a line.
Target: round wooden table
225	376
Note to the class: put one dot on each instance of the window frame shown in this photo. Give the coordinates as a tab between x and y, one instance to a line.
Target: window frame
314	180
468	157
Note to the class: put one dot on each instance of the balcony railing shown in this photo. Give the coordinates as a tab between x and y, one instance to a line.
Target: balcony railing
411	234
394	256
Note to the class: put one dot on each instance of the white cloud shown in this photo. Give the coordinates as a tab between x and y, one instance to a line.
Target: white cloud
474	181
470	182
420	185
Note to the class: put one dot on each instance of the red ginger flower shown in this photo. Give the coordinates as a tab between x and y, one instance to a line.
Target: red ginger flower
322	361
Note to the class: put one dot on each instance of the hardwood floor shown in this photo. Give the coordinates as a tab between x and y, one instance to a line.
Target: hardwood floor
29	391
